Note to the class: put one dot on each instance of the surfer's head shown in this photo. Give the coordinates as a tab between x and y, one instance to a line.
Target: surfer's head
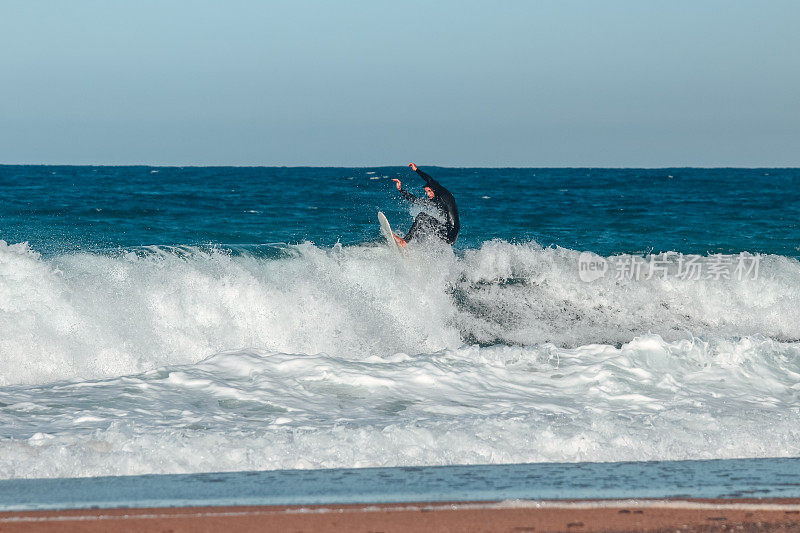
429	192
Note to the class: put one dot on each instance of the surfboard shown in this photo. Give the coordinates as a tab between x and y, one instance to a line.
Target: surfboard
386	230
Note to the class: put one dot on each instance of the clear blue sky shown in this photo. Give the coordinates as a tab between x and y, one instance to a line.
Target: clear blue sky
367	83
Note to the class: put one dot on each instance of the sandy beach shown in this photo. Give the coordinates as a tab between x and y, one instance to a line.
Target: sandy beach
589	516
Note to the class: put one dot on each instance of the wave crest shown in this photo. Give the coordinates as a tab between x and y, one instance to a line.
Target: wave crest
91	315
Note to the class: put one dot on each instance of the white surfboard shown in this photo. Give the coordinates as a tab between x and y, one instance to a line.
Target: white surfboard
386	230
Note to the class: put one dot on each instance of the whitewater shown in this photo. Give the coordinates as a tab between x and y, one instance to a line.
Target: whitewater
178	359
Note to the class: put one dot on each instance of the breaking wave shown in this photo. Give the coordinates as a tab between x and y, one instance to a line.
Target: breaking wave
95	315
159	360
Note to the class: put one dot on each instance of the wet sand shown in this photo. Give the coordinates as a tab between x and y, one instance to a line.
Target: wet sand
518	516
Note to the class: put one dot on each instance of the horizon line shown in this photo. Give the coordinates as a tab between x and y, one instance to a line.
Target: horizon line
564	167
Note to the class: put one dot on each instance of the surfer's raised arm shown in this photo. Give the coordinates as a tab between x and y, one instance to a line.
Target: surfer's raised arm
429	181
407	195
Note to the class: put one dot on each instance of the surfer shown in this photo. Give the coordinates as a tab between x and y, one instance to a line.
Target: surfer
442	201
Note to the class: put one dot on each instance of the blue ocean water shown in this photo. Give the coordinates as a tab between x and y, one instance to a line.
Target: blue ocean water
607	211
185	320
726	479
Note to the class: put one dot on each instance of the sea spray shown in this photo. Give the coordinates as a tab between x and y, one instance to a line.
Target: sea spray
95	315
646	400
193	359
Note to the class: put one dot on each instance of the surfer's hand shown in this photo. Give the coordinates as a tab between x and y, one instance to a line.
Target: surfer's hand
397	182
413	167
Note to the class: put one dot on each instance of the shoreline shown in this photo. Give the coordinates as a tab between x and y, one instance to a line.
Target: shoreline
708	495
774	514
729	479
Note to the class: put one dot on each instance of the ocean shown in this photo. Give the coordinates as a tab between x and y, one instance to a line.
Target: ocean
187	320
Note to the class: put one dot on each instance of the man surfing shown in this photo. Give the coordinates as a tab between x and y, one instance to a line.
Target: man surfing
442	201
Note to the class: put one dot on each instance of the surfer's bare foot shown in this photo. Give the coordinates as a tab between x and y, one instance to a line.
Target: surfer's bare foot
400	241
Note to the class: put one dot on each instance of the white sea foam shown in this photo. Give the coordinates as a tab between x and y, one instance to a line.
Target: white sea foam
93	315
187	360
88	315
647	400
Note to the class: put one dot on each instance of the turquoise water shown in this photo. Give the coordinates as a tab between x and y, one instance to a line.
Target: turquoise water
730	479
189	320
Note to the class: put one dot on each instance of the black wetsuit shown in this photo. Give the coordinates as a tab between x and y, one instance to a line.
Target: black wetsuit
444	203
